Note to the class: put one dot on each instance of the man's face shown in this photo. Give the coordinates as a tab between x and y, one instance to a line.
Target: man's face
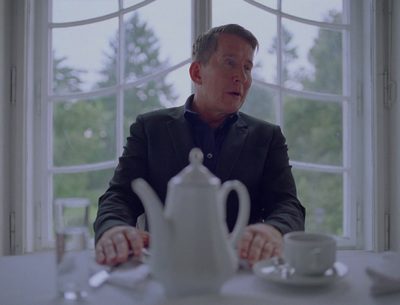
225	80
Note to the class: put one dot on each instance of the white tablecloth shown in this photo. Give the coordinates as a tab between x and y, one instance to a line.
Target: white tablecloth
30	279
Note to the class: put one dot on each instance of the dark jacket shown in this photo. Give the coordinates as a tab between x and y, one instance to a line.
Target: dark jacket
254	152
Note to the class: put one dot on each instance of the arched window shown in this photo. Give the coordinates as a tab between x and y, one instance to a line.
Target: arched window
101	63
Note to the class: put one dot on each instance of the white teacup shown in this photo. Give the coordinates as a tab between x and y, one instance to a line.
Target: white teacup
309	253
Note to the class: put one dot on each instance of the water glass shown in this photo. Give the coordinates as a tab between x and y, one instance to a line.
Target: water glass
72	232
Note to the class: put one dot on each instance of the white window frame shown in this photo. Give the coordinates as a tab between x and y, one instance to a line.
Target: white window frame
44	151
379	199
352	193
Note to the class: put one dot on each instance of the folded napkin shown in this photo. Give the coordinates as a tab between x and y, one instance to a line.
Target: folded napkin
129	277
385	275
125	275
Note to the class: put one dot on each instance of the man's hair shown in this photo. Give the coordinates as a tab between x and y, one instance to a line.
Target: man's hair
206	44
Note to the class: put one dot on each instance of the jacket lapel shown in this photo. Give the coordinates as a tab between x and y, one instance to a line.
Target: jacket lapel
181	136
231	148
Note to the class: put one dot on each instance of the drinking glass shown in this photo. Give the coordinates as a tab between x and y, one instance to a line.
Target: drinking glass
72	232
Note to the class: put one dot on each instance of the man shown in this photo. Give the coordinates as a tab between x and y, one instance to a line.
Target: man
235	146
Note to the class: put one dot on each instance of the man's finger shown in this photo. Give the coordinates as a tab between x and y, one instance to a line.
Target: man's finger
109	251
267	250
256	249
244	244
135	241
100	257
121	246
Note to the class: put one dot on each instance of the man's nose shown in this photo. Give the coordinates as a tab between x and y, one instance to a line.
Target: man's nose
240	75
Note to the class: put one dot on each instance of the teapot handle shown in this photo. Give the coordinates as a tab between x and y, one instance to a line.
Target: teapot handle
244	207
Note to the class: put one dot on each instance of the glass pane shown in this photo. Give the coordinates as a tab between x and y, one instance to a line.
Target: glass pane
313	130
270	3
312	58
316	10
129	3
79	54
261	23
89	185
84	131
75	10
155	40
153	95
181	86
260	103
322	196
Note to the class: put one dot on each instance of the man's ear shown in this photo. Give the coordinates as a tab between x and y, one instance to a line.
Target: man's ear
194	71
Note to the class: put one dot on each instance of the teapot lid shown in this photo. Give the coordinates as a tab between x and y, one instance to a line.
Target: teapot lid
195	172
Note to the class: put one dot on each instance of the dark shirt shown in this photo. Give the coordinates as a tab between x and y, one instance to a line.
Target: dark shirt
208	140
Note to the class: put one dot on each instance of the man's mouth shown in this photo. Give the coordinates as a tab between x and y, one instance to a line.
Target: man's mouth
234	93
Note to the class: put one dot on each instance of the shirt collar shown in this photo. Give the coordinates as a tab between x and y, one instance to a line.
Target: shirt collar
192	116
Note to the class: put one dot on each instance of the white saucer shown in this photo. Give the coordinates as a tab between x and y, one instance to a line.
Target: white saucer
269	269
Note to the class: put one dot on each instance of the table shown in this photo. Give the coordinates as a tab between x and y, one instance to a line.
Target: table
30	279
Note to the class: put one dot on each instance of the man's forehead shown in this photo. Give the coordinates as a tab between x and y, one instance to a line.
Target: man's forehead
236	55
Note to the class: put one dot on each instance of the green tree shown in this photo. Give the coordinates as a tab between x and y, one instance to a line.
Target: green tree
289	53
142	53
313	128
260	103
326	58
65	79
84	131
314	131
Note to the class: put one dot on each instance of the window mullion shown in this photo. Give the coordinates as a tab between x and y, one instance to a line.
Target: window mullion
201	17
349	210
120	87
279	67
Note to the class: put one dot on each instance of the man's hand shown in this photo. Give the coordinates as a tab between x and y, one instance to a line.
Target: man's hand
116	244
260	241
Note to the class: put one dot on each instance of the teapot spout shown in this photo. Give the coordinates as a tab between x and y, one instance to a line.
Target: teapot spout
153	207
160	229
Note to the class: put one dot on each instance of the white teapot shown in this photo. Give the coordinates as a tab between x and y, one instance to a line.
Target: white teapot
191	250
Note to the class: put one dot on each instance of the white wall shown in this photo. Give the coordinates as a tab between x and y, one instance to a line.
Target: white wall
395	136
5	59
13	122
